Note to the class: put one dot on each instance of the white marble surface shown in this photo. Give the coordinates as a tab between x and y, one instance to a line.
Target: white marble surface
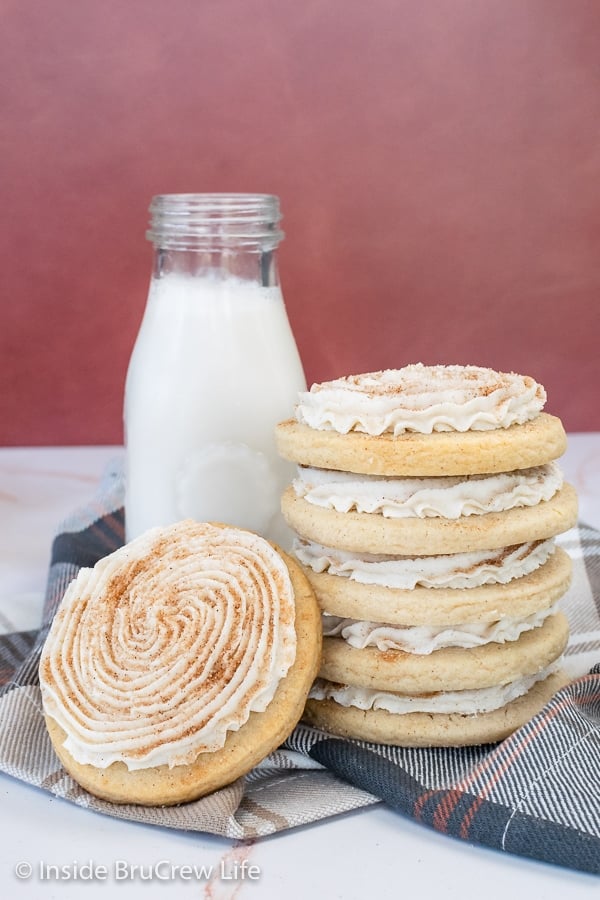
374	852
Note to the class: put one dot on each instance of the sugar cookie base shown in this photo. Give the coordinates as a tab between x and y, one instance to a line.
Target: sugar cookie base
441	453
374	533
448	669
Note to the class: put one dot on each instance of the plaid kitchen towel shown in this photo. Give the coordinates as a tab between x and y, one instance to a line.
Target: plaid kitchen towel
536	794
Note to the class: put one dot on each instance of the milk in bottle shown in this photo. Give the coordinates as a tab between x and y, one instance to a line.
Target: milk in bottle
215	366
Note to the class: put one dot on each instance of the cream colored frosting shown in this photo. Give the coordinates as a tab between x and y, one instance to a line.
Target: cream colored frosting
423	640
454	570
422	399
167	644
448	497
481	700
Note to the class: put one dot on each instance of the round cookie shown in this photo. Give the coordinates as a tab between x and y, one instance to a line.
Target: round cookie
370	532
261	733
519	446
432	729
449	669
519	598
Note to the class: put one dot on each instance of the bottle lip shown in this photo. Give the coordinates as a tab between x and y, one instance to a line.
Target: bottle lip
215	221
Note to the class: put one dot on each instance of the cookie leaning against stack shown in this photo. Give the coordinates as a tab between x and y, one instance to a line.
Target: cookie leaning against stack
426	503
178	662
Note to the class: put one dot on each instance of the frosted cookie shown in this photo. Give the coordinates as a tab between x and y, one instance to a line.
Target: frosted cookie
486	716
178	662
480	475
423	420
448	669
364	532
476	587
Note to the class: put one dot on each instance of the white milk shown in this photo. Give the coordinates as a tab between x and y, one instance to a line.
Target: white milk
214	368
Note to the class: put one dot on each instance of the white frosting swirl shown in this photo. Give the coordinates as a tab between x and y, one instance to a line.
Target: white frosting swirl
423	640
167	644
472	702
453	570
445	496
422	399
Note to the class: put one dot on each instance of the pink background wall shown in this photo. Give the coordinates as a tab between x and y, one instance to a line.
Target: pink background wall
438	164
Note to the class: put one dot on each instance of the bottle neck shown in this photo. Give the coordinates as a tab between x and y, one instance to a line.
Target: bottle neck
257	266
217	235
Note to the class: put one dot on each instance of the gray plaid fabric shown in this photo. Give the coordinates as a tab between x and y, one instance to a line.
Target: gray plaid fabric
536	794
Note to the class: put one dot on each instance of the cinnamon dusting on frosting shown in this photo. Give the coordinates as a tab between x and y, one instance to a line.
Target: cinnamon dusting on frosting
168	644
422	399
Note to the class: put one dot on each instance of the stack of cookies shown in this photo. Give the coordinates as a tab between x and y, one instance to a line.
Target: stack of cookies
425	507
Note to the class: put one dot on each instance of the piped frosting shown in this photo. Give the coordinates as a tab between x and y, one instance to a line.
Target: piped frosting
441	496
168	644
422	399
452	570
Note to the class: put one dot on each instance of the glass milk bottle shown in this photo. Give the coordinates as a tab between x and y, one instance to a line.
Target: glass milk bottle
215	366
